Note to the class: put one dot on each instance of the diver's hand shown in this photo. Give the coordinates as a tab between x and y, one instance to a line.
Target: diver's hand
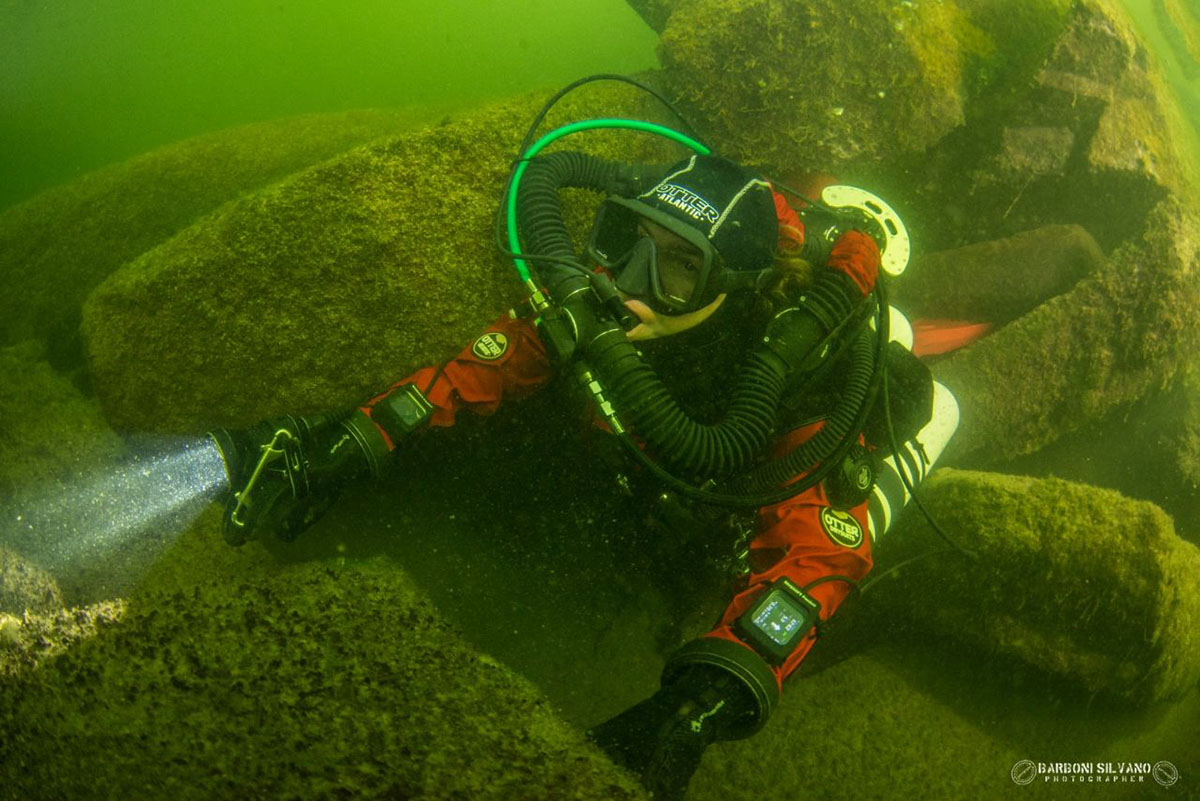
283	474
653	325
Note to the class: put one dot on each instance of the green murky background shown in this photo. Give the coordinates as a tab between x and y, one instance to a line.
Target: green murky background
87	84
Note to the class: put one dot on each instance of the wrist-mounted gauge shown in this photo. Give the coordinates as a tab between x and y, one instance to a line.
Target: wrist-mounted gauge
777	622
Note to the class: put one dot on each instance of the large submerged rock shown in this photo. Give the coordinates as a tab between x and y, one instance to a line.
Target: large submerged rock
1117	335
815	85
57	246
72	492
999	280
327	287
29	639
318	681
1078	581
48	428
1077	128
25	587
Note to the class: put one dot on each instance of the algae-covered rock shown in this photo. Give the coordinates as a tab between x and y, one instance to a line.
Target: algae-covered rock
1149	451
654	12
1185	442
316	682
929	720
814	85
999	280
1078	581
816	741
1068	121
1118	334
1099	67
24	586
29	639
55	247
47	427
77	500
327	287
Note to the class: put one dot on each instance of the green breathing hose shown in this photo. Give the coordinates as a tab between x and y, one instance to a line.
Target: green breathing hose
514	244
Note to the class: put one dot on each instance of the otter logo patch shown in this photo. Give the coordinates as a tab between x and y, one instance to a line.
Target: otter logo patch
841	527
687	201
490	347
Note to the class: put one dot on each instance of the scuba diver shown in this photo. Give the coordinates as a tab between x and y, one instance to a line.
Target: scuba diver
739	351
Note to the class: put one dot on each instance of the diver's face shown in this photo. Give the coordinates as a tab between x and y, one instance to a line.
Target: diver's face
679	264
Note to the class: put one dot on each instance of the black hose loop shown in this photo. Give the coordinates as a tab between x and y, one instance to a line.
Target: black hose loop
857	392
540	215
697	450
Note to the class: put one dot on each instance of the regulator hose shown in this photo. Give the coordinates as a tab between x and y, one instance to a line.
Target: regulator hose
717	450
860	388
696	449
540	215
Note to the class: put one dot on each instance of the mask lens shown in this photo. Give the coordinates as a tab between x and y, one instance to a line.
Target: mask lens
651	259
635	272
678	275
614	235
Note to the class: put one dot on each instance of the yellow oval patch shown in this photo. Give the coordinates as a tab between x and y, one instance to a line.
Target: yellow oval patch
490	346
841	527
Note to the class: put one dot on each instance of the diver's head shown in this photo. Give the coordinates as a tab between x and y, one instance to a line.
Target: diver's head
708	227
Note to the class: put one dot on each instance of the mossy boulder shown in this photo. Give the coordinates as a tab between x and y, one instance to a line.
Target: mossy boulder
1077	581
1100	69
1149	451
72	491
926	719
317	681
999	280
1117	335
25	586
29	639
1184	441
48	428
1068	122
817	740
654	12
327	287
57	246
816	85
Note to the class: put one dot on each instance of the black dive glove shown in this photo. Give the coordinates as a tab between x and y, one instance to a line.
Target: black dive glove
283	474
662	738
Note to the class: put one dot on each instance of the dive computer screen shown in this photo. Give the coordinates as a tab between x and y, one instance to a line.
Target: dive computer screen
778	619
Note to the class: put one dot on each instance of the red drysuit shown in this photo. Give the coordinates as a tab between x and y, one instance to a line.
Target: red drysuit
802	538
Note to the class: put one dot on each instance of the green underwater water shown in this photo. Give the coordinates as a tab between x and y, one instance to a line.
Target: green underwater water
83	85
1167	44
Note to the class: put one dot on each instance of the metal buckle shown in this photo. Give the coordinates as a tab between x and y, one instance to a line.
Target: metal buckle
284	444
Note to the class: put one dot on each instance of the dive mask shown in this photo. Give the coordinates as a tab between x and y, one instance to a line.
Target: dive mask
672	278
